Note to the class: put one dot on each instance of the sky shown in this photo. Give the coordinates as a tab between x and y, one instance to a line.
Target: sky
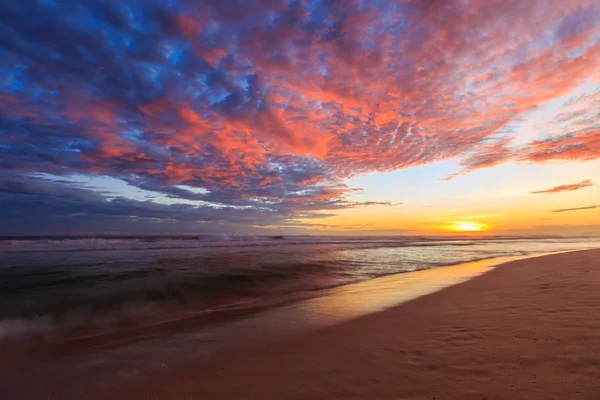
405	117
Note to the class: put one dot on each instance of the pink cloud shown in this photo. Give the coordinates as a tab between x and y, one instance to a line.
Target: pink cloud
273	104
565	188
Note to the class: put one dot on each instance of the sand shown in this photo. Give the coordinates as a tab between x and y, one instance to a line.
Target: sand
528	329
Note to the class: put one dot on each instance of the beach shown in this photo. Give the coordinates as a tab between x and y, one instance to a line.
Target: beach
527	329
299	200
481	330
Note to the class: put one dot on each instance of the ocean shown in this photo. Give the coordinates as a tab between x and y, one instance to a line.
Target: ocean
73	287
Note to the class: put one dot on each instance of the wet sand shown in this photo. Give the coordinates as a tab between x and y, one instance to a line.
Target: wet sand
528	329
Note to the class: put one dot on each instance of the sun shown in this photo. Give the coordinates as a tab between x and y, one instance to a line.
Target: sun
468	226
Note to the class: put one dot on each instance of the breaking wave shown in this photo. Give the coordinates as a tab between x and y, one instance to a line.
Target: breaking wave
141	243
48	286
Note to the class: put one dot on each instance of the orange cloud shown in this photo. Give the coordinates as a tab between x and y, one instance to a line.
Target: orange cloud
566	188
276	104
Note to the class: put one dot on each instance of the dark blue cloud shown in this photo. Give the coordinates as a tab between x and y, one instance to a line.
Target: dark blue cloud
38	205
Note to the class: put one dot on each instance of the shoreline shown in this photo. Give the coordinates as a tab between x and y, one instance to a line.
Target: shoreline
248	333
526	329
231	312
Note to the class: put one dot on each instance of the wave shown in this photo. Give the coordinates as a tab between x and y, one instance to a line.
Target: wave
81	325
133	292
158	299
152	303
52	293
41	244
173	301
224	240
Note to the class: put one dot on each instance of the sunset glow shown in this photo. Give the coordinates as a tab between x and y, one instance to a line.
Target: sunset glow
300	117
224	175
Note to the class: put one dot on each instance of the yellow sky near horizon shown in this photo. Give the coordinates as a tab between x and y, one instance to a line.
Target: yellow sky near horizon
430	205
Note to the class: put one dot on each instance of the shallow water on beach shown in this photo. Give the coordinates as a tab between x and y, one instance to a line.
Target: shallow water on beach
78	287
73	368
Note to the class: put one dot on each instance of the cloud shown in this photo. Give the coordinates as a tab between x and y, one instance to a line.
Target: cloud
577	145
576	209
272	105
565	188
35	204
